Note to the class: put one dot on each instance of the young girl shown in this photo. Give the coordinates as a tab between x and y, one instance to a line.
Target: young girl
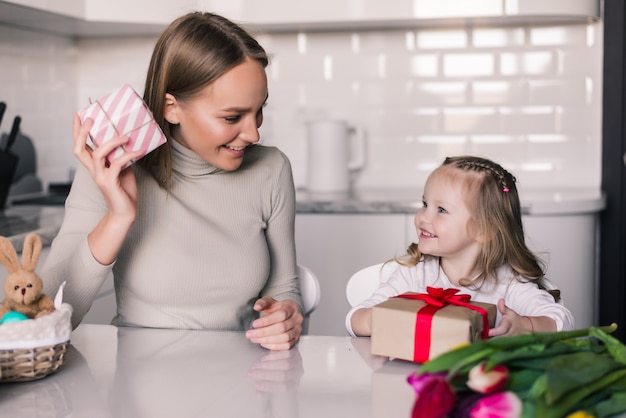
471	238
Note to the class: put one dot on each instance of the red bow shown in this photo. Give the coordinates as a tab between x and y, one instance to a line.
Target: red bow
439	297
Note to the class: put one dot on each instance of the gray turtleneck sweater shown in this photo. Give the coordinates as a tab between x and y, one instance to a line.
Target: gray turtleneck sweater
198	256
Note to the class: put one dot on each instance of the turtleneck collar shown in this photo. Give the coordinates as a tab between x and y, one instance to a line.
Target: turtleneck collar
187	163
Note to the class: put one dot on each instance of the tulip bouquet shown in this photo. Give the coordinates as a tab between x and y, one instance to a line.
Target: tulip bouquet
574	374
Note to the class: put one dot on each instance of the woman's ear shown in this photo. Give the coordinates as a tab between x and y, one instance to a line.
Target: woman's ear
171	109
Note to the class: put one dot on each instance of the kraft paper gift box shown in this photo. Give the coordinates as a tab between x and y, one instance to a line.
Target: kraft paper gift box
418	330
123	113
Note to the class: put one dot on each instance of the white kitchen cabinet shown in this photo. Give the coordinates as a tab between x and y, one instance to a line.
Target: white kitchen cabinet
332	14
567	244
335	246
73	8
117	17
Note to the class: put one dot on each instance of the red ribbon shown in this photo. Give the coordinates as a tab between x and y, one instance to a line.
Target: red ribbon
436	298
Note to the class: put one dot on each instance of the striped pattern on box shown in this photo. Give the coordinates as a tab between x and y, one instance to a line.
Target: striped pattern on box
123	113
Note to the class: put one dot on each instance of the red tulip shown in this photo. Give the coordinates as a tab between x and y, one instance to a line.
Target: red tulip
499	405
435	396
491	381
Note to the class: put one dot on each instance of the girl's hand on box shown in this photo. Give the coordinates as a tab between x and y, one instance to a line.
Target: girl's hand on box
511	323
514	324
279	326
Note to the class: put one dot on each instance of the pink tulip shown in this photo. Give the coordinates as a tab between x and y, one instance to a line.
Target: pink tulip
435	396
492	381
499	405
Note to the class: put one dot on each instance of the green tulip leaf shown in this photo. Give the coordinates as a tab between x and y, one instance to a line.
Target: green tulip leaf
571	371
539	388
570	400
529	409
473	353
521	381
533	356
611	406
615	347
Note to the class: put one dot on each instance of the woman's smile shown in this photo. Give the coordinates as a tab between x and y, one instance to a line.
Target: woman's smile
223	119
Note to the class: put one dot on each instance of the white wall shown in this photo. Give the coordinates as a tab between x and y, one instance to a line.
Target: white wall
38	76
529	97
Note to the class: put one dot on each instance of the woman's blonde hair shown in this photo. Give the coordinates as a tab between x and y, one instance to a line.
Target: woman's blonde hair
191	53
494	205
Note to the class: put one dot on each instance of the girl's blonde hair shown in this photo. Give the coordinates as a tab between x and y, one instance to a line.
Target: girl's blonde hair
494	205
191	53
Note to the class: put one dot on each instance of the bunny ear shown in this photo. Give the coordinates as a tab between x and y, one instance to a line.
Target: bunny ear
31	251
8	255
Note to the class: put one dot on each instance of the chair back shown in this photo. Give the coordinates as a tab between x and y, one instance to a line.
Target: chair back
365	281
310	291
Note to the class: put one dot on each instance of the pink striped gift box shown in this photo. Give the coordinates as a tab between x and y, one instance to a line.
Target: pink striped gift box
123	113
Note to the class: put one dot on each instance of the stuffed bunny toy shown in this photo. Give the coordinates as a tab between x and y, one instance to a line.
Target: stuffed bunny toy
23	287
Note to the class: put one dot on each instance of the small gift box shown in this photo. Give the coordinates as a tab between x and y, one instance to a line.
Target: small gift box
418	327
123	113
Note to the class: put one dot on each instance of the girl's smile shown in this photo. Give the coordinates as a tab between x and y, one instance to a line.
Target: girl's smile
443	223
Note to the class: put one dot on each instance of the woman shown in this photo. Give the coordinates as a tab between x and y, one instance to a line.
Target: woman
199	234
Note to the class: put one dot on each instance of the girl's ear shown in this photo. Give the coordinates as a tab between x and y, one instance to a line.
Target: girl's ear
479	236
171	109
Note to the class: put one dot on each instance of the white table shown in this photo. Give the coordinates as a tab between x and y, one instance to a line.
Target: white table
136	372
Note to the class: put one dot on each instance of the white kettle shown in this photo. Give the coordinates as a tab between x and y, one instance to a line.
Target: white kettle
335	150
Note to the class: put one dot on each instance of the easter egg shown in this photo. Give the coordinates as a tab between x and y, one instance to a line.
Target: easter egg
13	316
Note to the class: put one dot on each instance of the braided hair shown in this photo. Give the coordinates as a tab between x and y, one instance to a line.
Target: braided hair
494	205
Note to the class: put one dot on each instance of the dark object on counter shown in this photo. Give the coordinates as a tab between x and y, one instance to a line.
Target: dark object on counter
25	180
57	193
8	163
15	129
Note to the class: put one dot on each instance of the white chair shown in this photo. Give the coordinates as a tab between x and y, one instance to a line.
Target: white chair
310	291
365	281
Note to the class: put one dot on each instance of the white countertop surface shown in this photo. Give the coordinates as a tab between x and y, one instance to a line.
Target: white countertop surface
389	200
137	372
17	221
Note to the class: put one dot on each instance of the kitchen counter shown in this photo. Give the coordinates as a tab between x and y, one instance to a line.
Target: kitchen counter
389	200
139	372
17	221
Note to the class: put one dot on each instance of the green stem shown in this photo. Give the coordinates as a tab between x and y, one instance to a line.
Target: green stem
515	341
569	401
476	357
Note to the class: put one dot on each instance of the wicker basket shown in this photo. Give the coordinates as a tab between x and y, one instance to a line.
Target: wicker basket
33	349
23	365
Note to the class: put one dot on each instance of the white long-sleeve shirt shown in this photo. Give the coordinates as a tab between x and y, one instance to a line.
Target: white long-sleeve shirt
198	255
525	299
